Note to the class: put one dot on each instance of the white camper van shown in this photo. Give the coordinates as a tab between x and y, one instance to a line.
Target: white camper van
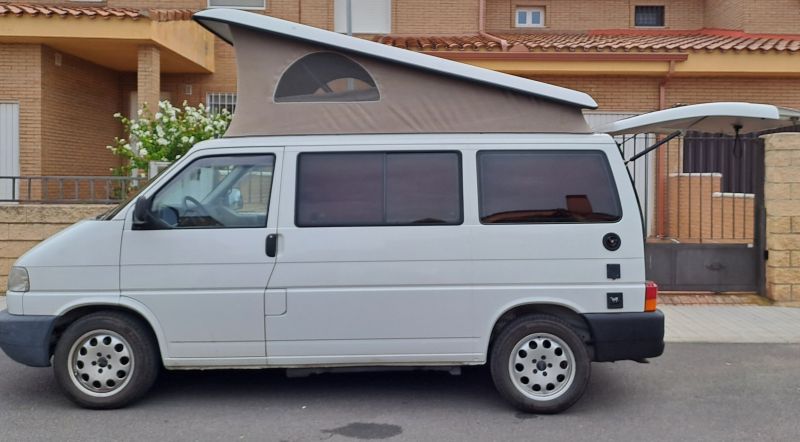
369	207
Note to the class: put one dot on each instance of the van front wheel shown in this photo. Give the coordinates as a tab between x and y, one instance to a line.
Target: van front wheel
540	364
105	360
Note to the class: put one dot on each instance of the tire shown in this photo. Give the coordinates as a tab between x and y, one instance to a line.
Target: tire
522	370
106	360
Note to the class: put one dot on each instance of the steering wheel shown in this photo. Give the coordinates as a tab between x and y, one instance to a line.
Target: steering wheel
197	205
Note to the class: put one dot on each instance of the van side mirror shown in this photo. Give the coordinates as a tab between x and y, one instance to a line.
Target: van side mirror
142	216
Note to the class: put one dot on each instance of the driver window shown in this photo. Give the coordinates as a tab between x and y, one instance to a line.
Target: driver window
218	192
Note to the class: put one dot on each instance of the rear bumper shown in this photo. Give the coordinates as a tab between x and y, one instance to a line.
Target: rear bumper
26	338
623	336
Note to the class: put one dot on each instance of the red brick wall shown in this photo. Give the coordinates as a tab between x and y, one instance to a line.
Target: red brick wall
576	15
460	16
779	91
21	81
641	94
622	94
79	100
440	17
725	14
773	17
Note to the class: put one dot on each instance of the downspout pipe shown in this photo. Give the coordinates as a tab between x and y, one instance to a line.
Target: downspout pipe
482	27
662	86
661	166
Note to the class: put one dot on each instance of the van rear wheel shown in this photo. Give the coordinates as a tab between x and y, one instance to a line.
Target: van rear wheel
105	360
540	364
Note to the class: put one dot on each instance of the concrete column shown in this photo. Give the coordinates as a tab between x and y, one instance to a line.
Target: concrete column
148	84
782	201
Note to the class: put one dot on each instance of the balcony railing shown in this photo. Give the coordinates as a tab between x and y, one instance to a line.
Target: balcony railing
67	189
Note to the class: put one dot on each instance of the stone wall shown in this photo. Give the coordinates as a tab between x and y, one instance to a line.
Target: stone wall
782	201
24	226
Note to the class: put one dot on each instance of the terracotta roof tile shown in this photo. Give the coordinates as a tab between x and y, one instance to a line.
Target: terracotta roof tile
604	41
20	9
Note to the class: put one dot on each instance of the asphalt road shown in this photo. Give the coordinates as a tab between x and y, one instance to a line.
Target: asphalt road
711	392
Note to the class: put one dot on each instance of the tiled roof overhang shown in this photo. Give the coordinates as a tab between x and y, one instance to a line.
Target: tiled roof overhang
705	52
21	9
111	37
604	41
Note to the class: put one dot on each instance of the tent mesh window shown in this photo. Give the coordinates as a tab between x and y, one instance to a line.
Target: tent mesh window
326	77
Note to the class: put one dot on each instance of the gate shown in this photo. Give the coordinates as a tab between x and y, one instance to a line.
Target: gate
707	230
709	226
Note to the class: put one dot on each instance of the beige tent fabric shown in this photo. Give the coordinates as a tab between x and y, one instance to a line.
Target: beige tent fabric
411	100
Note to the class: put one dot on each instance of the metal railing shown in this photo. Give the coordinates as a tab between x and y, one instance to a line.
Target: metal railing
67	189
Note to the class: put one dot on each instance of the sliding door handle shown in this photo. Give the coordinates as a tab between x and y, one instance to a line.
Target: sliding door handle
272	245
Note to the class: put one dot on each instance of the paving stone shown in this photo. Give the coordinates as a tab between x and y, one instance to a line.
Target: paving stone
731	324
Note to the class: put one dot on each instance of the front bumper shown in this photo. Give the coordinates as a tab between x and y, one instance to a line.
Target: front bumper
26	338
624	336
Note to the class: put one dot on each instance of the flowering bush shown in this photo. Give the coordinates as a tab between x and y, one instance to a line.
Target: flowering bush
166	135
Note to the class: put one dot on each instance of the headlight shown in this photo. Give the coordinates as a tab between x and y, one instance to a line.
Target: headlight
18	280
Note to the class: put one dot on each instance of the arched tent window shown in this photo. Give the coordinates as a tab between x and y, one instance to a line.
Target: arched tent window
325	77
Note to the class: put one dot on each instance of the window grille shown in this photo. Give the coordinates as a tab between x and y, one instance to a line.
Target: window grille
649	16
218	101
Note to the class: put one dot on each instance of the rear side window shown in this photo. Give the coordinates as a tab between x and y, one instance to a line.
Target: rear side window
518	187
378	189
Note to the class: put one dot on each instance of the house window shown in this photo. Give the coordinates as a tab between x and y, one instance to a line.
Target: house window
529	17
238	4
326	77
378	189
215	102
647	16
368	16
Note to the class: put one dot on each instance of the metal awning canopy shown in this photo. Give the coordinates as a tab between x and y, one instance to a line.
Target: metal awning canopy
717	118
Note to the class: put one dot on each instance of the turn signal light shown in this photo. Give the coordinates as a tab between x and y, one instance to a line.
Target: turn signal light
650	296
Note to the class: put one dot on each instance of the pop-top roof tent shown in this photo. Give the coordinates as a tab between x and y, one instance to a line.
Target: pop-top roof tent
299	80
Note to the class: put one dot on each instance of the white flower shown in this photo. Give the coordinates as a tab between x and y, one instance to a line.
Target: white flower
143	152
158	115
184	139
117	115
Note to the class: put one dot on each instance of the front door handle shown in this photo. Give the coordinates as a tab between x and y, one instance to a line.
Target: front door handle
272	245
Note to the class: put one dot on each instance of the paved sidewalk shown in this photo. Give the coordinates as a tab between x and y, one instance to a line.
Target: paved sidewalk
732	324
720	323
